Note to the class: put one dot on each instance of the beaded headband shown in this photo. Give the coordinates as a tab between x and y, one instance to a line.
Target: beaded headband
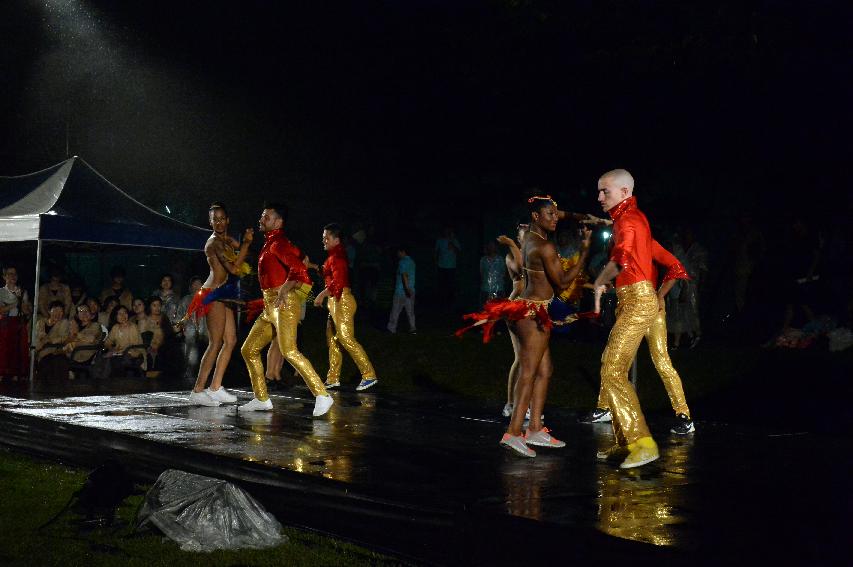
542	198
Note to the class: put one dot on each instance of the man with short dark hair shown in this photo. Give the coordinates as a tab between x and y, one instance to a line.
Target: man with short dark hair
340	327
285	285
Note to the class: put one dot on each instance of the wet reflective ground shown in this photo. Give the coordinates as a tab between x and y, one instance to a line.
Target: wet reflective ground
729	490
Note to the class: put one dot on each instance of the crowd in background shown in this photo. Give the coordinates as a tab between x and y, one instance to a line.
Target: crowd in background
111	333
793	290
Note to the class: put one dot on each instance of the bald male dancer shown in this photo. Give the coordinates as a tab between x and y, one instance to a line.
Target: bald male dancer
638	307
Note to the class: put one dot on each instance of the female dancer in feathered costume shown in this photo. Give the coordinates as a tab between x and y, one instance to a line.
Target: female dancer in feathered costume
528	318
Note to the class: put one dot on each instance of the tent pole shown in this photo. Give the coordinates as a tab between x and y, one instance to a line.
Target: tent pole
35	312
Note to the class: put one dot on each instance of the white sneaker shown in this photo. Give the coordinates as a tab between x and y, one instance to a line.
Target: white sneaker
256	405
202	399
222	395
322	405
543	438
517	445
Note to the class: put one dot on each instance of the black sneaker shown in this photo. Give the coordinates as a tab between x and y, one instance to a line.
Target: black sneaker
598	415
683	425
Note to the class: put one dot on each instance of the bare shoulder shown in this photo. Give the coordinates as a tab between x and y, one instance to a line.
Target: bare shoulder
545	248
213	246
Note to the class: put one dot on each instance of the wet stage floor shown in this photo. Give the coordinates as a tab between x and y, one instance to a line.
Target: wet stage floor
427	470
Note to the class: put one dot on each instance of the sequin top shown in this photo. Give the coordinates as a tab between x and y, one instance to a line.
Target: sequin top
280	261
632	249
336	271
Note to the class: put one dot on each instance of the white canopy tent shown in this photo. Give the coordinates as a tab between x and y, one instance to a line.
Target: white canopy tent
71	202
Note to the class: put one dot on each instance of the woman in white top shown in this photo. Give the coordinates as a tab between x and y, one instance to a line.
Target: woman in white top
15	309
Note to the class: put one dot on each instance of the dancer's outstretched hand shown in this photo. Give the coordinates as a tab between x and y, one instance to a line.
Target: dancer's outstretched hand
248	235
505	240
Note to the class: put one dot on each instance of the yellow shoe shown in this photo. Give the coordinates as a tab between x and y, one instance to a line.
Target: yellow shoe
642	452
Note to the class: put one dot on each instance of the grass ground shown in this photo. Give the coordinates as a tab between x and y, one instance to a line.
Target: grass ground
32	491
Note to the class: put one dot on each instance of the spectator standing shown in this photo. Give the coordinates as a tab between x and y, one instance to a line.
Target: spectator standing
696	264
78	298
54	290
492	269
117	288
447	249
15	308
195	327
404	291
169	298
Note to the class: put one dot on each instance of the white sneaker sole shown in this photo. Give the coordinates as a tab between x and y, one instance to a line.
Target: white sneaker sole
547	445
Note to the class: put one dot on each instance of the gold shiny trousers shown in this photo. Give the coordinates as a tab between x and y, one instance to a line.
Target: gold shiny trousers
285	321
636	309
340	330
656	338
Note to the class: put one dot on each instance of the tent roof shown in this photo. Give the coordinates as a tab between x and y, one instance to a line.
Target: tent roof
70	201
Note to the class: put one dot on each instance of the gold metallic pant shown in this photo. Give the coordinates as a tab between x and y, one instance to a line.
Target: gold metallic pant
340	328
636	309
285	321
656	338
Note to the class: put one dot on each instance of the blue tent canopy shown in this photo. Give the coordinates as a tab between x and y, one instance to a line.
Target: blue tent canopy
72	202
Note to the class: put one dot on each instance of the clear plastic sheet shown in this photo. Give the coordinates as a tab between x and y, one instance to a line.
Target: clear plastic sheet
203	514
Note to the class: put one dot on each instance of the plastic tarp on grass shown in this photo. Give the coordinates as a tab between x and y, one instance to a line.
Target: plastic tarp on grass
72	202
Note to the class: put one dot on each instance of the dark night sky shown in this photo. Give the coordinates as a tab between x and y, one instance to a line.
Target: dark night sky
442	103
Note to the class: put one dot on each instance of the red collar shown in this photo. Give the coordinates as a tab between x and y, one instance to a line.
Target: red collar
273	234
628	204
338	250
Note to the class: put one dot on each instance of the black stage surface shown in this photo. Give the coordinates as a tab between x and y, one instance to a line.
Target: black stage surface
423	476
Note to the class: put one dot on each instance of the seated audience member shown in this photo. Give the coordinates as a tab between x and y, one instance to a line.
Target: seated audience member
85	331
52	335
15	309
117	288
107	308
54	290
95	311
123	335
137	309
